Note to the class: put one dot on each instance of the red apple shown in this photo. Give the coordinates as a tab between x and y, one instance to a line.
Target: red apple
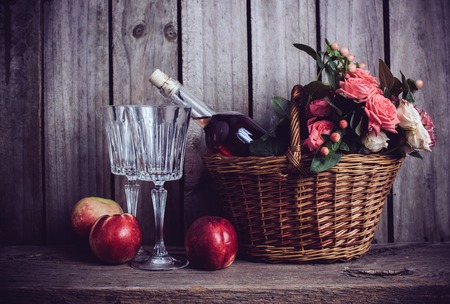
88	210
211	243
115	239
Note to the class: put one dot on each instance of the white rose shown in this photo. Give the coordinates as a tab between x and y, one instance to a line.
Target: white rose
373	142
419	138
408	116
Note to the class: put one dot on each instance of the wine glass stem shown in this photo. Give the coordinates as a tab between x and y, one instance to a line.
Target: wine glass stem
159	197
132	195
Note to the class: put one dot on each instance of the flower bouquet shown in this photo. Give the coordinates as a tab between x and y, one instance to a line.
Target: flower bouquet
354	112
316	185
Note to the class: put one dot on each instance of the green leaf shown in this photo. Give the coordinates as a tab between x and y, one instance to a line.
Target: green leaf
307	49
405	86
280	107
320	63
412	85
325	137
344	146
333	66
416	154
358	128
386	77
316	90
268	146
356	122
410	97
321	163
338	111
335	146
332	74
397	87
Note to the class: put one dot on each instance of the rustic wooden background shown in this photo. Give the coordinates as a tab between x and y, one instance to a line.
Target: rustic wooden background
61	60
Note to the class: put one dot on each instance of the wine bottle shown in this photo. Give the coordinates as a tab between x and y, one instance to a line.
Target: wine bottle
226	133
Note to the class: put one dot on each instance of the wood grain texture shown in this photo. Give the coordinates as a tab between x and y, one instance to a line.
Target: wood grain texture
420	48
59	63
409	273
21	219
357	25
215	68
276	64
144	39
76	82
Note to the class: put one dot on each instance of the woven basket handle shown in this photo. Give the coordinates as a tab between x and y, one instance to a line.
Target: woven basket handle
294	152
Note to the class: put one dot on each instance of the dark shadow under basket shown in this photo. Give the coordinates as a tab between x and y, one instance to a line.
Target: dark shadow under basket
284	215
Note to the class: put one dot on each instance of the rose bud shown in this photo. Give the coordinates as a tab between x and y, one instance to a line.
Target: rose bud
343	124
335	137
344	51
419	84
324	151
352	67
362	65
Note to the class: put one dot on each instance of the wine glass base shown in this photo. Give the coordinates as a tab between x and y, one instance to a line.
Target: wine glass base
154	263
142	255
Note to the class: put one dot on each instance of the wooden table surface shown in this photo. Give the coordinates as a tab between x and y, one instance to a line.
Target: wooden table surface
401	273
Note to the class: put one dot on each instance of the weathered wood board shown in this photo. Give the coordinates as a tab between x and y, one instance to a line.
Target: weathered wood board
415	273
420	48
276	64
21	169
76	86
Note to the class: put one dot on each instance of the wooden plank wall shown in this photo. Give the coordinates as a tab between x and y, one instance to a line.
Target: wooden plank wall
21	169
75	87
61	61
420	46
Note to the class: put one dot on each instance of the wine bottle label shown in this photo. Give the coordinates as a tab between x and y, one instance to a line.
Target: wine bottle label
244	135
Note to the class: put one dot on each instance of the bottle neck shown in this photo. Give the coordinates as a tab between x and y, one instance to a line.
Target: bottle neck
178	93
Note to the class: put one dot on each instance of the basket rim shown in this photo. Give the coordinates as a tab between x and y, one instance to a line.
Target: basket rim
348	157
281	165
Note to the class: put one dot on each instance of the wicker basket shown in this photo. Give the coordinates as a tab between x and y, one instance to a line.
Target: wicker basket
285	215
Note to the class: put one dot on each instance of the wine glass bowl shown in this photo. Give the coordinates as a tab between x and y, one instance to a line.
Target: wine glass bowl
122	156
159	134
118	135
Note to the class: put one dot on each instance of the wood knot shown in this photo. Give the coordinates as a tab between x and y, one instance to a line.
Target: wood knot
378	272
170	32
139	30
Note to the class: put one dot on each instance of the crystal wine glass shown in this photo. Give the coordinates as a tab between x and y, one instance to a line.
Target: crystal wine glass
160	134
122	157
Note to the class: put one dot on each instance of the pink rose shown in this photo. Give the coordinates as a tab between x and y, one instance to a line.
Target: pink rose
382	114
429	126
364	74
318	108
316	129
359	85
